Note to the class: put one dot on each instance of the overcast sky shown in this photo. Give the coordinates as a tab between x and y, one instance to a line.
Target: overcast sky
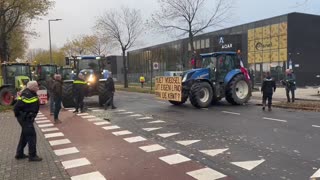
79	16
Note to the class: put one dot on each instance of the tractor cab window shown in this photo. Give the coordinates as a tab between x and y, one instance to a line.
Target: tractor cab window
18	70
209	62
89	64
46	71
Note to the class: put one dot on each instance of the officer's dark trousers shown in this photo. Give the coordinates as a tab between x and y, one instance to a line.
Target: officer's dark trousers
292	89
28	136
109	102
79	102
265	97
57	107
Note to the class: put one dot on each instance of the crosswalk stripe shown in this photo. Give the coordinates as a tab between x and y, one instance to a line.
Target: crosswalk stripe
152	148
41	118
88	117
51	135
66	151
45	125
315	175
174	159
121	133
145	118
101	123
136	115
75	163
206	174
111	127
94	119
248	165
135	139
165	135
83	114
213	152
158	121
152	129
126	113
49	129
59	142
187	142
89	176
41	122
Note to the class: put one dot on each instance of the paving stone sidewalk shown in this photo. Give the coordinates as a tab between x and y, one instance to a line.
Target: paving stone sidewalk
12	169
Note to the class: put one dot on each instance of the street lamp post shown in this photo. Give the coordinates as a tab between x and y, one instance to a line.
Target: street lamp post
50	37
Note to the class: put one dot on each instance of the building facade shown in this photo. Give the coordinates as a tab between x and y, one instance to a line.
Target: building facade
274	44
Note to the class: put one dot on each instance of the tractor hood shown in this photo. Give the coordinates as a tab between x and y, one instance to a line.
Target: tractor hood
201	73
21	82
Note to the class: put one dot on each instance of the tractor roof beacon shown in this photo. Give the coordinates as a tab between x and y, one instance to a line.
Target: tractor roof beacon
93	68
222	75
13	78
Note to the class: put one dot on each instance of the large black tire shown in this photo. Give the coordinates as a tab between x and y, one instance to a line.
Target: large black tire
7	95
103	96
201	94
67	95
178	103
238	90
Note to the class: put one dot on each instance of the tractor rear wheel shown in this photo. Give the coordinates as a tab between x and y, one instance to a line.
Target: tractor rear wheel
238	90
178	103
67	95
103	96
7	95
201	94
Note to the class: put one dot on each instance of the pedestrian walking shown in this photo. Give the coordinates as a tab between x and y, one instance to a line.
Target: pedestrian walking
50	82
26	110
290	85
142	80
79	87
267	89
110	92
57	96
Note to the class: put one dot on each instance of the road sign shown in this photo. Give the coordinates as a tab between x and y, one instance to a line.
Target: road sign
155	66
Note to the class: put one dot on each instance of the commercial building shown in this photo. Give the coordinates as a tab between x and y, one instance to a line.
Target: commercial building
274	44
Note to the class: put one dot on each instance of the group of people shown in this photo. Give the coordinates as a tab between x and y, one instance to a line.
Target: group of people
269	87
27	108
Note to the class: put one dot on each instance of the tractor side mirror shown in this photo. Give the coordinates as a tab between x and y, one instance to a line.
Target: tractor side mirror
67	61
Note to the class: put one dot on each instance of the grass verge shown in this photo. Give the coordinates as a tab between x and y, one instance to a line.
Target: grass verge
135	89
300	105
5	108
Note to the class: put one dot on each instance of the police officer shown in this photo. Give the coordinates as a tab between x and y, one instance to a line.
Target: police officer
110	92
267	89
25	110
290	83
79	87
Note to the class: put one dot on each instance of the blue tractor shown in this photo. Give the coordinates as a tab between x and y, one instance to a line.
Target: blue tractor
222	76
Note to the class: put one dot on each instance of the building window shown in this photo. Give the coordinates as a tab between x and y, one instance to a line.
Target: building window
207	44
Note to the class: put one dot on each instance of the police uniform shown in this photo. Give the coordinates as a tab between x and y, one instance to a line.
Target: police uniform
110	93
267	89
79	86
25	110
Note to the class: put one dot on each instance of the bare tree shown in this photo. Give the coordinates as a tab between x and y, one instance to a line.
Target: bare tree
191	17
97	44
123	27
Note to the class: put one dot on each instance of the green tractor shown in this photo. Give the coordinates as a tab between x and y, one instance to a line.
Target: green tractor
13	78
67	73
92	67
43	72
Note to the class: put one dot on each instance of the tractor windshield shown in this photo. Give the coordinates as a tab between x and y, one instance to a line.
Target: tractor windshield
209	62
18	70
89	64
46	71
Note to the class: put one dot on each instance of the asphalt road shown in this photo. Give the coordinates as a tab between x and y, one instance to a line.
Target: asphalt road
242	142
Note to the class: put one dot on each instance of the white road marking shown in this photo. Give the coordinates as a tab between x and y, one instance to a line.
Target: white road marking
94	119
134	139
152	148
40	113
165	135
158	121
316	126
187	142
45	125
92	108
120	110
66	151
83	114
174	159
97	110
126	113
213	152
136	115
121	133
206	174
111	127
315	175
51	135
101	123
145	118
49	129
248	165
228	112
41	118
71	110
272	119
88	117
89	176
151	129
75	163
59	142
45	121
161	102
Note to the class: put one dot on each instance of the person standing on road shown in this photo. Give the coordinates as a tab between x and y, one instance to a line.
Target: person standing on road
267	89
57	95
50	82
110	92
290	83
142	80
26	110
79	86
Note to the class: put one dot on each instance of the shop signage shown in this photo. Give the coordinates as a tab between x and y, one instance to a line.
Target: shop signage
223	44
260	45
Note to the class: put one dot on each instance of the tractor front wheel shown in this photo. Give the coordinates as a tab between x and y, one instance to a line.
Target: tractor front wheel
103	96
238	90
67	95
7	95
201	94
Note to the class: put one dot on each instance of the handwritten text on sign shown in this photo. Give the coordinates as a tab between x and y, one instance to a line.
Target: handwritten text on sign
169	88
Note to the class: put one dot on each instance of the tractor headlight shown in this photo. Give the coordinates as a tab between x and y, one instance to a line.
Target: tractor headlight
91	78
184	78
